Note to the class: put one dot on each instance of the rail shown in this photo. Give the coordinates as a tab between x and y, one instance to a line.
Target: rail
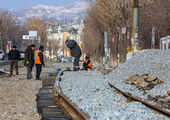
69	107
155	107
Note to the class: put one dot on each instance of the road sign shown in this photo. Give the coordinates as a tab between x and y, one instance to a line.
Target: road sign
128	50
123	31
25	37
113	39
33	33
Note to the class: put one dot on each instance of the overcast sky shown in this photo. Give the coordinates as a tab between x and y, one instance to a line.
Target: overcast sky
20	4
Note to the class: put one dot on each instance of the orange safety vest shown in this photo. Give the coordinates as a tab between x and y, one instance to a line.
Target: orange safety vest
37	58
90	64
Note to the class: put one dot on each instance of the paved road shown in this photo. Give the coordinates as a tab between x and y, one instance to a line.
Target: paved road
4	62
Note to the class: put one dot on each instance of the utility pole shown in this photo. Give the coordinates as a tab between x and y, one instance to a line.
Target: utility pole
135	26
106	46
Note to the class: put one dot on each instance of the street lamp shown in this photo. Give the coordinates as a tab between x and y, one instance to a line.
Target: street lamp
135	25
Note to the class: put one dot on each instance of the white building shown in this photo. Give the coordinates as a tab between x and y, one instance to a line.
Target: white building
55	40
165	43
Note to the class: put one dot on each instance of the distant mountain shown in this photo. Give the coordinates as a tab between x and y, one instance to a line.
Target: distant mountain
71	12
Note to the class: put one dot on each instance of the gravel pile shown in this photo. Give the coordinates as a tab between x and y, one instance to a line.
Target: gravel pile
154	62
91	92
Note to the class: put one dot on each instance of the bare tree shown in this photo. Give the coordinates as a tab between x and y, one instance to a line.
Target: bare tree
109	16
112	15
10	30
156	14
39	26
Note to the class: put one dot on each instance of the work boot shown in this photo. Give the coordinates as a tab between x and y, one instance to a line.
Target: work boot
38	79
76	68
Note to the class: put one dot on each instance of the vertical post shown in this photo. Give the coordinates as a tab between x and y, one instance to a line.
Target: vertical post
135	27
106	45
63	43
118	55
153	37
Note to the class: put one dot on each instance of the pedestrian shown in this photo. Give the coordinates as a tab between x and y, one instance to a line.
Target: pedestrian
14	56
29	60
75	52
87	63
39	61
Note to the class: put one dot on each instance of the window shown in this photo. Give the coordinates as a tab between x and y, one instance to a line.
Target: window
164	46
161	46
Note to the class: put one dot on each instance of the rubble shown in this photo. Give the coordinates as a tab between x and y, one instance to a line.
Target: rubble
162	100
144	82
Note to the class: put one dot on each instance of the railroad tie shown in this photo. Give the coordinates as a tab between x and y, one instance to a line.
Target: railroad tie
46	105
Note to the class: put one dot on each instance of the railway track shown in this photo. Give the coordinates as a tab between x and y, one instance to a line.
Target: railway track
53	105
157	108
3	64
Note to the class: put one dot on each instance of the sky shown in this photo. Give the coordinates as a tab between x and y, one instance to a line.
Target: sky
20	4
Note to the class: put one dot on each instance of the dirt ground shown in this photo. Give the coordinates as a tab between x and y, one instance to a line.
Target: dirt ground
18	96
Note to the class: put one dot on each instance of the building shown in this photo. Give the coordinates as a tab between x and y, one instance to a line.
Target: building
165	43
58	34
55	38
76	33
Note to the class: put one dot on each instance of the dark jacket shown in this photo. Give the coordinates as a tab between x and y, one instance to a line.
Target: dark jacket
41	58
29	56
14	55
74	48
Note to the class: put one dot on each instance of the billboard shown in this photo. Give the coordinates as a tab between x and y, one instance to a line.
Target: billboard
33	33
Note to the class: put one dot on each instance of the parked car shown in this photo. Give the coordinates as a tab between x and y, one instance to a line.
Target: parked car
67	59
2	55
59	58
22	55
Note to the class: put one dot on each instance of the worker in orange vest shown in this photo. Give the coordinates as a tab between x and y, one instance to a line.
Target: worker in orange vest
39	61
87	63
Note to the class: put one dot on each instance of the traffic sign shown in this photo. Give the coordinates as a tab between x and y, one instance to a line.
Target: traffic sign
25	37
33	33
123	31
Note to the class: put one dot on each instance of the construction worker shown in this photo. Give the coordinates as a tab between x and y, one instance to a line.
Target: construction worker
75	52
29	60
14	56
39	61
87	63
